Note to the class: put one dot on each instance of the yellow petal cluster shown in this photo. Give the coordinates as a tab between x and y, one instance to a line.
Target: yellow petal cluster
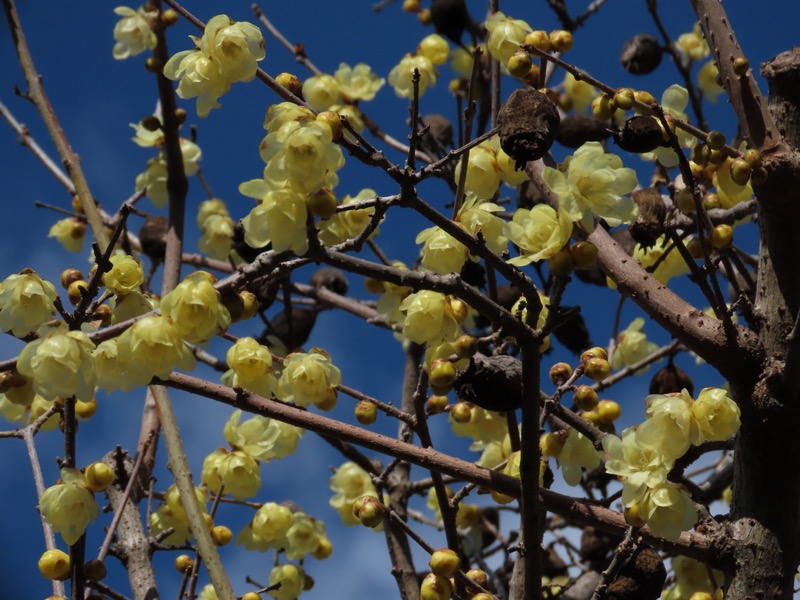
672	265
539	232
69	506
133	33
251	366
578	453
125	276
673	101
357	83
347	224
292	580
69	232
505	35
216	227
309	378
170	514
261	437
349	483
279	218
429	317
26	301
236	470
195	309
632	346
400	77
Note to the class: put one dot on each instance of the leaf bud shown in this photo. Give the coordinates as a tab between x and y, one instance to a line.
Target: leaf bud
461	412
560	373
445	562
561	40
585	397
290	82
641	54
721	236
366	412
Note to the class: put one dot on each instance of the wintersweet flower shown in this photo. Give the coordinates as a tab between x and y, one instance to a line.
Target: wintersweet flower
261	437
106	365
484	427
539	232
308	378
349	483
154	182
125	276
729	192
640	466
632	347
69	506
707	81
283	112
429	317
673	101
217	237
692	576
594	183
672	264
131	305
669	428
508	166
302	154
435	48
151	347
580	93
292	580
716	415
441	252
251	364
303	536
322	91
349	223
267	529
145	138
69	232
478	217
668	510
692	45
170	514
60	363
12	412
483	172
520	310
132	33
578	453
505	35
209	208
279	218
235	46
38	407
357	83
195	309
191	156
463	58
200	77
26	301
400	77
236	470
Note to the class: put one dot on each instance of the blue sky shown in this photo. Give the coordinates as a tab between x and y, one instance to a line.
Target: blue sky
96	97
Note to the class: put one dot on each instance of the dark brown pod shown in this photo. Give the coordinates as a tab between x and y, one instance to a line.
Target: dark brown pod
649	225
153	237
439	137
641	578
527	125
670	380
295	329
492	382
331	279
577	129
641	54
639	134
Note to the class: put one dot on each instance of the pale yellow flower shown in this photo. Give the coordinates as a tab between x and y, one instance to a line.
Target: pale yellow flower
580	92
707	81
505	35
236	470
308	378
292	581
429	317
125	275
200	77
400	76
195	308
132	33
441	252
322	91
478	217
349	483
261	437
671	266
692	45
716	415
26	301
235	46
279	218
540	233
435	48
70	233
483	172
578	453
349	223
69	506
632	347
357	83
668	510
673	101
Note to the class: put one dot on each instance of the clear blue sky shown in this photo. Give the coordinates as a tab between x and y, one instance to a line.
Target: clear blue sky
96	98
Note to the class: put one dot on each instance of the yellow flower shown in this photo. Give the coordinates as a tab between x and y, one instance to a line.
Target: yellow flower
235	46
170	514
283	112
357	83
692	45
200	77
478	216
594	183
441	252
638	465
237	471
483	172
195	309
632	347
349	223
322	91
261	437
485	427
540	233
133	304
152	347
669	427
60	363
210	208
716	415
505	35
292	581
668	510
429	318
435	48
578	452
279	218
106	365
154	182
11	411
729	192
69	232
145	138
580	92
267	529
400	76
671	266
707	81
673	101
217	237
26	301
303	536
349	483
251	364
308	378
132	33
69	506
125	275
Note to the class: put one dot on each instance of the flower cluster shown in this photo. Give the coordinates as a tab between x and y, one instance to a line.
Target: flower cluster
195	309
505	35
432	317
227	53
26	301
347	84
277	527
594	183
69	506
349	483
216	227
645	454
133	33
250	367
632	347
348	224
693	577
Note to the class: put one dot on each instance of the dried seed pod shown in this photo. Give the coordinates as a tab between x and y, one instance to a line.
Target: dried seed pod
577	129
671	379
293	330
451	17
439	138
642	577
572	332
331	279
639	134
641	54
649	225
153	237
491	382
527	125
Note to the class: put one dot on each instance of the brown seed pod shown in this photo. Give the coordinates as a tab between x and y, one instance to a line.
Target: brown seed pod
649	225
641	54
527	125
577	129
639	134
491	382
671	379
331	279
153	237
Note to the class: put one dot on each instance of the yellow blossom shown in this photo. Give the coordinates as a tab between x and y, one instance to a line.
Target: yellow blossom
107	366
729	192
279	218
483	172
170	514
673	101
400	76
292	581
217	237
154	182
303	536
594	183
322	91
692	45
672	264
26	301
261	437
632	347
707	81
478	217
145	138
716	415
580	92
267	529
349	223
308	378
505	35
235	46
69	506
349	483
539	232
435	48
429	317
441	252
125	275
237	471
133	33
669	427
357	83
251	364
132	304
200	77
578	453
668	510
70	233
195	309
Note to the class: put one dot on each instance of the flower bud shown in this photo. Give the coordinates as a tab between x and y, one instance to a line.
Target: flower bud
466	346
715	139
221	535
740	66
95	570
633	515
684	201
596	352
551	444
721	236
435	587
98	476
645	97
369	511
436	404
561	263
74	291
291	83
585	397
68	276
445	562
560	373
624	98
740	171
411	6
169	17
442	373
54	564
584	254
561	40
184	563
334	122
479	576
461	412
597	369
539	40
753	157
366	412
251	596
85	410
608	410
322	203
519	64
603	107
